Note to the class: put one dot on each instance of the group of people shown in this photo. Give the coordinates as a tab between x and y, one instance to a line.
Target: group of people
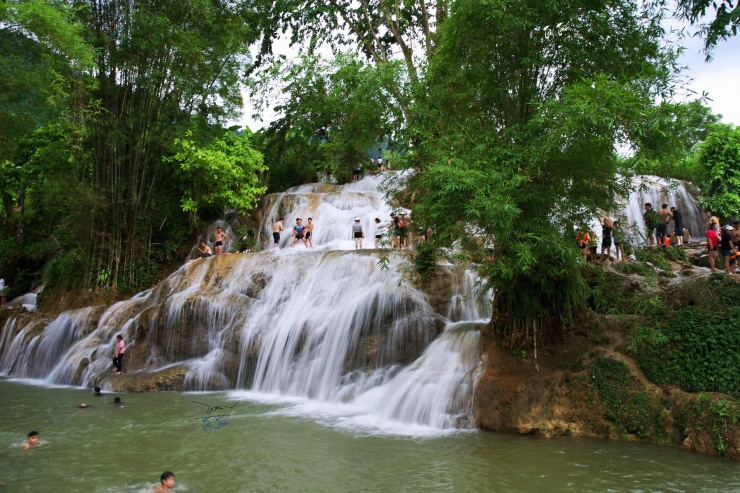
611	233
398	227
376	166
656	223
725	240
166	479
206	251
301	232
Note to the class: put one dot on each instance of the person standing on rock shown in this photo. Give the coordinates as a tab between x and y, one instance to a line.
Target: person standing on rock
277	228
651	222
120	351
712	245
664	217
619	240
678	223
735	233
220	237
357	233
726	248
606	239
298	232
309	233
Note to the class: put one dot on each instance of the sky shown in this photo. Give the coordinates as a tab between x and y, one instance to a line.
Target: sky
719	79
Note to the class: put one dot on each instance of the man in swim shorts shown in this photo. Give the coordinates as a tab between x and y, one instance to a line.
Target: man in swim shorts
309	233
276	229
220	237
298	232
205	250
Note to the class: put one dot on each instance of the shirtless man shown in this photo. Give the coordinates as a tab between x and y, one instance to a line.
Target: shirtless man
205	250
665	217
166	482
309	233
298	232
277	228
33	440
220	237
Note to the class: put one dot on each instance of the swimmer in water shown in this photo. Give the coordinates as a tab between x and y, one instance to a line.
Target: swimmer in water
33	440
167	482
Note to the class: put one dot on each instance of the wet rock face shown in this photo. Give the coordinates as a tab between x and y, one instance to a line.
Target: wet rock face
170	379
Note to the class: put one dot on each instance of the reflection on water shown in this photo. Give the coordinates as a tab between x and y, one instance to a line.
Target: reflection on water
275	447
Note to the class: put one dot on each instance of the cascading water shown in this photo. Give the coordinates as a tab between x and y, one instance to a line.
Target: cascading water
656	191
327	327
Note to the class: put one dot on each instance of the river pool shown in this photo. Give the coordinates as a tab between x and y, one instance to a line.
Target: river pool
222	442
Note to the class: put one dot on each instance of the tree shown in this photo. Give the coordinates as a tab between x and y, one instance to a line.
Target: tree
159	63
723	26
719	162
223	170
331	114
517	129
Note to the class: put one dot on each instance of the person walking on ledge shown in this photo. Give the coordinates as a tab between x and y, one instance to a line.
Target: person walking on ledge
120	351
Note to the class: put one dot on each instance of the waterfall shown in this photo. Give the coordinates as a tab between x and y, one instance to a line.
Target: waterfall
330	327
658	191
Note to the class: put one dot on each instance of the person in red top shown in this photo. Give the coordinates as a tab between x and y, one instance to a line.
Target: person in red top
120	351
712	245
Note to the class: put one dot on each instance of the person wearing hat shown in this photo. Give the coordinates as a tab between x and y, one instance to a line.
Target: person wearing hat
726	247
357	233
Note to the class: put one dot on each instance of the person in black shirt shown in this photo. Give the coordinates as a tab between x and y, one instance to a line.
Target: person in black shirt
678	222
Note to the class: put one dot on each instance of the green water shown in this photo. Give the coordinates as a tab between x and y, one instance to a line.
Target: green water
109	448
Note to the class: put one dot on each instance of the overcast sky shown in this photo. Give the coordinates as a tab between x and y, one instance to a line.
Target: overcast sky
719	78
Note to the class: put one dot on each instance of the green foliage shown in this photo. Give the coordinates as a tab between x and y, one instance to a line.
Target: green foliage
718	416
636	413
517	130
724	25
68	270
224	170
332	113
694	348
425	259
670	144
719	162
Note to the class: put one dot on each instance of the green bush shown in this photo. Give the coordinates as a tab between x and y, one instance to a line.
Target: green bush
697	349
67	271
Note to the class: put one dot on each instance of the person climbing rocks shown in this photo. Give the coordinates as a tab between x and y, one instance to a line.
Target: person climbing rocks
277	228
220	237
357	233
298	232
120	351
678	223
651	222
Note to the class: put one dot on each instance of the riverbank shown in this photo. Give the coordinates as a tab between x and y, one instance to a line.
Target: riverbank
646	319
